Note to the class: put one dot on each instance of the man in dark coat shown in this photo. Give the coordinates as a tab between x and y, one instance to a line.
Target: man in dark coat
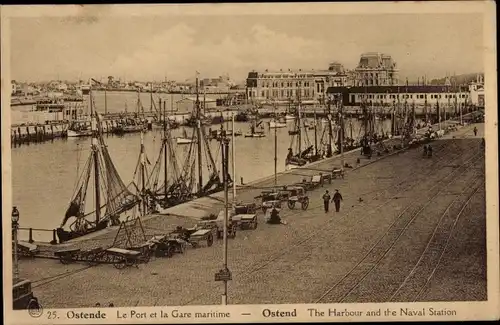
337	197
326	200
475	131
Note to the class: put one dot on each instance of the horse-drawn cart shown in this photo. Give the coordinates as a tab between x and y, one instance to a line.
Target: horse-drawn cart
298	195
270	200
246	221
202	235
338	173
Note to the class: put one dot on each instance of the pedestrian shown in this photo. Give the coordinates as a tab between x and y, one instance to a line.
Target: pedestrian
475	131
429	151
425	150
337	197
326	200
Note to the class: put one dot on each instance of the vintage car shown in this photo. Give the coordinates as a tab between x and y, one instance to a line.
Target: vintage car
23	297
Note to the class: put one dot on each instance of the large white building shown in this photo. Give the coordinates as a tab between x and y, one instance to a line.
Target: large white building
282	86
388	95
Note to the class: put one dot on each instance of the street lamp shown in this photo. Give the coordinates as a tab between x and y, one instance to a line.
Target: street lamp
15	225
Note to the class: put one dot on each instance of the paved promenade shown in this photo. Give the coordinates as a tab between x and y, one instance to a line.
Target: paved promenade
392	213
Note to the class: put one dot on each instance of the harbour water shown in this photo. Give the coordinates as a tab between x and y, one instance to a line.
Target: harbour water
45	174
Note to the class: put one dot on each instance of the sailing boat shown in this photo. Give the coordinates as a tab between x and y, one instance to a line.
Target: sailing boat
108	189
177	185
302	156
253	133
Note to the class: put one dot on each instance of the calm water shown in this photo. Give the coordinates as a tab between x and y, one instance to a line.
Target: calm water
45	174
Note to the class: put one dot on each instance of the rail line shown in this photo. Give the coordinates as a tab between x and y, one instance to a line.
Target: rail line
411	282
324	226
400	229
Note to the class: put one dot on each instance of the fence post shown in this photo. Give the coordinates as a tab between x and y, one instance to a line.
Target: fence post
54	240
30	240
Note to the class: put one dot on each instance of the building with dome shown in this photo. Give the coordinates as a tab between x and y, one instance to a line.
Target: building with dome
376	69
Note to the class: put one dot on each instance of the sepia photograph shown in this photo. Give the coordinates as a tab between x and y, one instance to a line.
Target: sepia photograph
189	155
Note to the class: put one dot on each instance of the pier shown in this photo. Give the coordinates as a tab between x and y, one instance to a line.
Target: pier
399	209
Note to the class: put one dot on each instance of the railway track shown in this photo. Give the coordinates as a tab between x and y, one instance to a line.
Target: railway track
419	277
445	156
339	291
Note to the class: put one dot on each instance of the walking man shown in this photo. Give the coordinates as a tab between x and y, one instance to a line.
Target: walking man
337	197
326	200
475	131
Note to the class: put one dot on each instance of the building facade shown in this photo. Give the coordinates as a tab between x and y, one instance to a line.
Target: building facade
388	95
376	69
284	86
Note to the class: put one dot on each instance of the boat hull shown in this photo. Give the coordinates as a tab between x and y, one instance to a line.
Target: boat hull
65	236
276	125
75	134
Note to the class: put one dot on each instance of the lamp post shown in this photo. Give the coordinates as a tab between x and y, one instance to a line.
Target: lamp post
224	275
15	225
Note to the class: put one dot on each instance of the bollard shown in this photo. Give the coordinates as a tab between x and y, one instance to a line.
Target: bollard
30	240
54	240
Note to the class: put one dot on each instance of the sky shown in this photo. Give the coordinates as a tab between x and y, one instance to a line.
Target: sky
175	46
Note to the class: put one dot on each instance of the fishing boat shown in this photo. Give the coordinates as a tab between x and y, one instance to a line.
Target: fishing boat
79	129
241	117
111	197
180	180
253	130
276	124
300	142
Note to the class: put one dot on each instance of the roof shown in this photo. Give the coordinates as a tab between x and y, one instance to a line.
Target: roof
393	89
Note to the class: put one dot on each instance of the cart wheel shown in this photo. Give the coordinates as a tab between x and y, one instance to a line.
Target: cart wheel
33	304
65	259
291	204
169	252
254	225
305	203
146	257
120	264
210	240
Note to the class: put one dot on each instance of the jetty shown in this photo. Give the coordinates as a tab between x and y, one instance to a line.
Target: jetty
402	215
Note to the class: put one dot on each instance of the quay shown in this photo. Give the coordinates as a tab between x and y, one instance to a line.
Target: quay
393	207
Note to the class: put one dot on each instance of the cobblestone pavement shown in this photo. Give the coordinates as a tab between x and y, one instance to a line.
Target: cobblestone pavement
297	262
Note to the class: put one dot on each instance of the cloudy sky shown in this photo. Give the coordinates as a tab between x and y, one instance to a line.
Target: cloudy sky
150	47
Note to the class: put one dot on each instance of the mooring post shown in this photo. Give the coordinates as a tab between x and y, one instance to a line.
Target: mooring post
54	240
30	240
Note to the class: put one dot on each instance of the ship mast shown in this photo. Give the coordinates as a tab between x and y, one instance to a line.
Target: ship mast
330	130
341	118
299	134
165	157
151	98
315	134
96	156
143	175
275	151
198	130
